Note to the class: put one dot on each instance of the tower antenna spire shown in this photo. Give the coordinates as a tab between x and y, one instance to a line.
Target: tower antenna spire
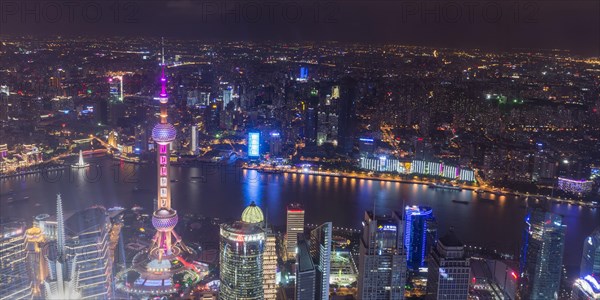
163	51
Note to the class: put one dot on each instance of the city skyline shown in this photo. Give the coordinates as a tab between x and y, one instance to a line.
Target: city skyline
275	170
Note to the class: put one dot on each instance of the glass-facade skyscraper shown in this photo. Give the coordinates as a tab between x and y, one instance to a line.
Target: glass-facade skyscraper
382	258
294	226
449	269
241	261
542	255
416	220
590	260
320	251
15	280
313	263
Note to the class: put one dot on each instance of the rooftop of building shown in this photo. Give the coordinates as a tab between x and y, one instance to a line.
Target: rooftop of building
451	240
240	227
87	220
252	214
305	262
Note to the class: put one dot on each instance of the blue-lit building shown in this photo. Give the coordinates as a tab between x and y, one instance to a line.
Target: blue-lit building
542	255
416	220
586	288
303	74
254	144
590	259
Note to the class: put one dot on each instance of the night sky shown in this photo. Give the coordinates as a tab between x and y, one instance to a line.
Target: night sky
491	25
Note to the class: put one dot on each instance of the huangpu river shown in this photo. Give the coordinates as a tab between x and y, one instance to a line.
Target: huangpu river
488	221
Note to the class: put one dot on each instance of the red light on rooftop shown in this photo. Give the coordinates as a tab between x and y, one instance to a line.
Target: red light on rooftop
420	139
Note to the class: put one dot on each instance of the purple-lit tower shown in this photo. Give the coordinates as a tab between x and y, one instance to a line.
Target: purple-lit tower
168	264
164	217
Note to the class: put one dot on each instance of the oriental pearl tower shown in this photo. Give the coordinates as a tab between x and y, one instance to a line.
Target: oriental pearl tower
164	217
168	264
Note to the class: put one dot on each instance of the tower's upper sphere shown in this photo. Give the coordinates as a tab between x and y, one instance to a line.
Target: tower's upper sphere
252	214
164	133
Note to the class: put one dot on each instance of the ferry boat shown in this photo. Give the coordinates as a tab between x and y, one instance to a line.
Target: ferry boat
445	186
270	171
461	201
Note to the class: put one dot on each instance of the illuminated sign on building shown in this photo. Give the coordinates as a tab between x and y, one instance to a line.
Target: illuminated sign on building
253	144
242	237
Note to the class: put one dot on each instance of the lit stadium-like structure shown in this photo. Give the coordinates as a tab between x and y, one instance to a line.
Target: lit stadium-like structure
168	265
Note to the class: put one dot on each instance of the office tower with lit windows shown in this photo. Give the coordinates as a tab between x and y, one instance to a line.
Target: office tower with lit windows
448	270
80	266
36	253
241	261
168	257
346	112
320	251
313	263
590	260
275	144
15	278
305	284
416	220
270	266
194	139
254	215
542	255
294	226
227	94
382	257
116	108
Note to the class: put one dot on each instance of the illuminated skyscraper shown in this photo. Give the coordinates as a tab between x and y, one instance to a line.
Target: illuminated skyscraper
254	215
295	225
542	255
415	235
116	108
241	261
226	97
382	258
254	144
449	269
36	252
270	266
275	144
590	260
320	251
15	279
194	139
313	263
586	288
81	265
305	288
